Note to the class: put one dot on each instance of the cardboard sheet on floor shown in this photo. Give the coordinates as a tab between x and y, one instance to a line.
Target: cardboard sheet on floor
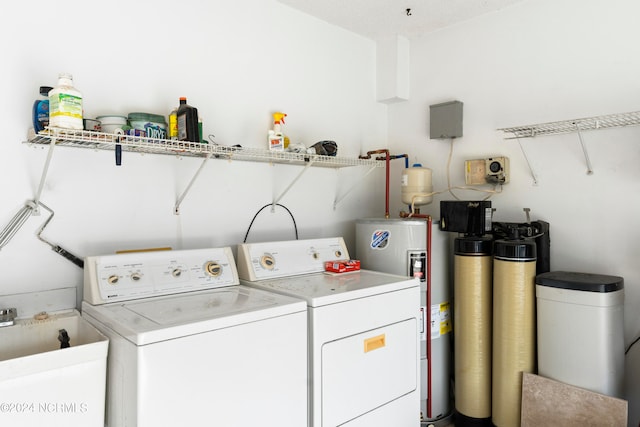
549	403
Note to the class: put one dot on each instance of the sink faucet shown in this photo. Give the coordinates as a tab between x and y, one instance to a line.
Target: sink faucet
7	316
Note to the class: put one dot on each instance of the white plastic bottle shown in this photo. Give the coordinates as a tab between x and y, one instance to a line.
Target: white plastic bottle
65	104
276	137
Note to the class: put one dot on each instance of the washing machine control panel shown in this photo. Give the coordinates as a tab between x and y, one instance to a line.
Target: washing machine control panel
269	260
128	276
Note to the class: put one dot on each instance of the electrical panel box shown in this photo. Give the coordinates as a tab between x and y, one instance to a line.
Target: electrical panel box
445	120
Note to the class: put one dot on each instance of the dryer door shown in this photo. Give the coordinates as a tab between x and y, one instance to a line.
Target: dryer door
368	370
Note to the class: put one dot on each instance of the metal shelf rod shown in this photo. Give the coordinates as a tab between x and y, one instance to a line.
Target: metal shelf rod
584	150
286	190
43	177
339	199
526	158
176	209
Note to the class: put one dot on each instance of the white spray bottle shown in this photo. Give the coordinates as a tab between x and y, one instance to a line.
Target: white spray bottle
276	137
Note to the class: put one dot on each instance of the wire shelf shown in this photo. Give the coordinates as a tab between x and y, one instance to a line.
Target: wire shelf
138	144
576	125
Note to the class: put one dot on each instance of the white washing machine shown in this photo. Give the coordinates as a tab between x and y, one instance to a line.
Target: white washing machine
363	331
190	346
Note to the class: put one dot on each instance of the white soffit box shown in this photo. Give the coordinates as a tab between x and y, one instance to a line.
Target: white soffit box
392	62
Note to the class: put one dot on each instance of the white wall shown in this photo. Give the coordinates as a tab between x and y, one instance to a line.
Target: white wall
540	61
237	62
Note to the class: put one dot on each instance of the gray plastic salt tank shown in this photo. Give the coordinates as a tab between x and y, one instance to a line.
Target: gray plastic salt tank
581	330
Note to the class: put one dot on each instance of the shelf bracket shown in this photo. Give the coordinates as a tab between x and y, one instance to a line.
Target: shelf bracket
176	209
286	190
43	177
526	158
344	195
584	150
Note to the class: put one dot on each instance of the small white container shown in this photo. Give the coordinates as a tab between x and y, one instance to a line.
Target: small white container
92	125
111	123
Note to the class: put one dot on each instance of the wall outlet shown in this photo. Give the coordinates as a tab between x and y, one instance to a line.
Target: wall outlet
493	170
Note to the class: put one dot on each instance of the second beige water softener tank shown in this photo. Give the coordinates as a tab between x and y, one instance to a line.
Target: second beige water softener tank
514	331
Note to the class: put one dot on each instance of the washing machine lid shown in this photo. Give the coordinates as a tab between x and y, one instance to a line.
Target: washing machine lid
151	320
319	289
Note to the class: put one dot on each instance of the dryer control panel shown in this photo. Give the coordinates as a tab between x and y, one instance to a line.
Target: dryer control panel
127	276
269	260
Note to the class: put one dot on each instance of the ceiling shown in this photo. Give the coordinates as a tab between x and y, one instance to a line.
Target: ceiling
379	19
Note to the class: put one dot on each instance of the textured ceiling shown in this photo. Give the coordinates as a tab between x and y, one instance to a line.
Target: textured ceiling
378	19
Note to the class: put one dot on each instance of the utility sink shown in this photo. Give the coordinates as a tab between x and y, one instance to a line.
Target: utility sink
44	384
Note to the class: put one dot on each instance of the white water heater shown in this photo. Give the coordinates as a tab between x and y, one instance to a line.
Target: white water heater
398	246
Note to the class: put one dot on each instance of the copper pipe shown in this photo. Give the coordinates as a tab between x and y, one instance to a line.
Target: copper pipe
387	158
428	308
386	192
429	235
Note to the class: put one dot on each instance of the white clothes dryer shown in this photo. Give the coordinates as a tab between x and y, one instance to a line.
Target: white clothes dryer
190	346
363	331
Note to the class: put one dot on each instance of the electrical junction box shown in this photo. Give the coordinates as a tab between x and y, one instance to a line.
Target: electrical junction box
445	120
493	170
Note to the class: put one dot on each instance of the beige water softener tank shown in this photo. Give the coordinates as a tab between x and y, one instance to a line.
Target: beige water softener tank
472	311
581	330
514	326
